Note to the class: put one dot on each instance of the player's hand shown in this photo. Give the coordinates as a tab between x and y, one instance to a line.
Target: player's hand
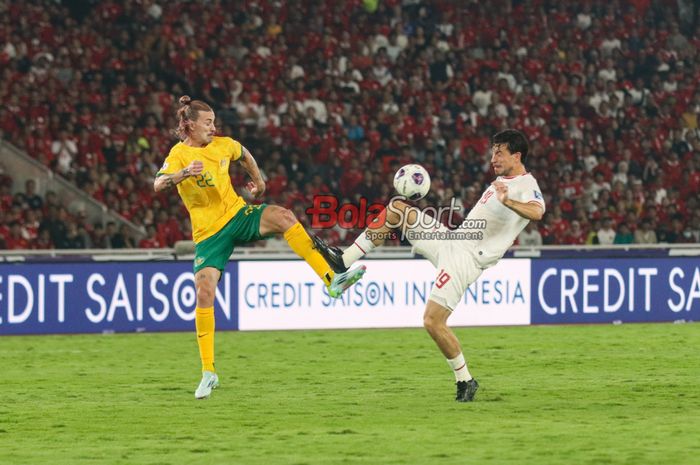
257	189
501	191
195	168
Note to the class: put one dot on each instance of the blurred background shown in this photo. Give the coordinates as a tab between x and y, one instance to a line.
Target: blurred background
332	97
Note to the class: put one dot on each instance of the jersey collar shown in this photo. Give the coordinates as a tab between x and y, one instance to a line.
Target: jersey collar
516	176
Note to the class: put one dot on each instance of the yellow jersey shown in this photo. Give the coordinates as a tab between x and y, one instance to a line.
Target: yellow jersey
209	197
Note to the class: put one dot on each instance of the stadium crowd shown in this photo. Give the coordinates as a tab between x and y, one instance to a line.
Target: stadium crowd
331	97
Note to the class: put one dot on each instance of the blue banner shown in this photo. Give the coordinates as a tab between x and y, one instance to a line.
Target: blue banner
105	297
94	297
624	290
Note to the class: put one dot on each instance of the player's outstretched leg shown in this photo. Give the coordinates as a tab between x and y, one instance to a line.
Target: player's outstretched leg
332	254
435	322
396	216
281	220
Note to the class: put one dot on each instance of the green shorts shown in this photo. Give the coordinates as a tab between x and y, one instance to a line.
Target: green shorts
243	228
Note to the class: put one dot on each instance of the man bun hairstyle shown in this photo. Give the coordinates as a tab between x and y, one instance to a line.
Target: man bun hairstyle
188	113
514	140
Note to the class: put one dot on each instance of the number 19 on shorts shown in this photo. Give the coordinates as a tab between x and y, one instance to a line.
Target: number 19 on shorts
442	279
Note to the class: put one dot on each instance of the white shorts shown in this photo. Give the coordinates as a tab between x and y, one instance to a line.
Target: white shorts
455	262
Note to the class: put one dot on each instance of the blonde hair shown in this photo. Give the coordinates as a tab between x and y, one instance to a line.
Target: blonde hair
188	112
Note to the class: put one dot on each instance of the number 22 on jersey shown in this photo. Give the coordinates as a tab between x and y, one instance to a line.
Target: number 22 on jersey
205	179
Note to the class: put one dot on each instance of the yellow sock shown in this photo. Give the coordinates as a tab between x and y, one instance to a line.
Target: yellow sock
301	244
204	321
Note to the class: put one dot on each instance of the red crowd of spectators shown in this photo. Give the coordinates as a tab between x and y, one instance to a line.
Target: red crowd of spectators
31	221
331	97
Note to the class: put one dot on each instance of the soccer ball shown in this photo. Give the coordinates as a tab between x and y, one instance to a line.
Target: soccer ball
412	181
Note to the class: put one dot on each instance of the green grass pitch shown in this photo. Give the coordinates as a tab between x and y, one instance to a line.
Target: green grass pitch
627	394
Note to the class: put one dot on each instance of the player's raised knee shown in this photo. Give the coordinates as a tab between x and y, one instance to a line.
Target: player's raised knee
395	213
287	219
278	219
398	205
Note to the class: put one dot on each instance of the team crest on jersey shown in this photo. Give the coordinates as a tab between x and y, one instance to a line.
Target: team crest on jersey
538	195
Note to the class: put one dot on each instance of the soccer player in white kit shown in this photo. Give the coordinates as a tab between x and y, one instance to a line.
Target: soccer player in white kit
502	212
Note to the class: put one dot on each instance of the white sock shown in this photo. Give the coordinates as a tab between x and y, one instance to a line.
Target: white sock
459	366
361	247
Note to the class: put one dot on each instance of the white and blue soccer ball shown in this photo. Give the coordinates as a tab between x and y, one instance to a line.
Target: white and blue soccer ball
412	181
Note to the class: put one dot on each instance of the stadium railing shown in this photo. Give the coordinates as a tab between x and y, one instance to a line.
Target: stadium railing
23	167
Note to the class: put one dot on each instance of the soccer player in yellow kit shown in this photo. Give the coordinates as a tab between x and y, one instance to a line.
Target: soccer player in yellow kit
199	166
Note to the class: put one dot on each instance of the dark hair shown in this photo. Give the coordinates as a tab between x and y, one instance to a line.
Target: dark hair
515	140
189	111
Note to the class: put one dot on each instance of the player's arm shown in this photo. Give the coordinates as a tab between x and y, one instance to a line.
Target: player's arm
257	185
532	211
166	181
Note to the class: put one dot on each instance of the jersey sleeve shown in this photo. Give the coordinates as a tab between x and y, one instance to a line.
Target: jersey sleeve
530	192
234	148
171	165
534	194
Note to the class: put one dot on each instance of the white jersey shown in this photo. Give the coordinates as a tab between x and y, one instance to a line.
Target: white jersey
499	224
